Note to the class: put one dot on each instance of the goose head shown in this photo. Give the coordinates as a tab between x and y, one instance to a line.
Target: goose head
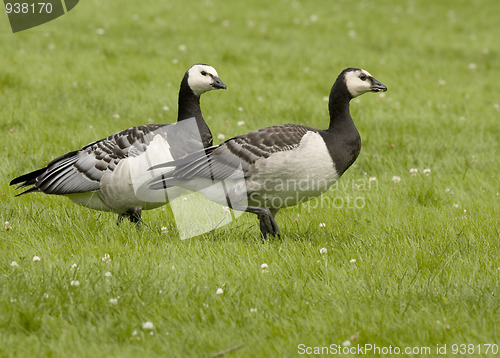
203	78
358	81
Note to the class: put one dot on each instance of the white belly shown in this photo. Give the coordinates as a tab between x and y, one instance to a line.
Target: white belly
90	200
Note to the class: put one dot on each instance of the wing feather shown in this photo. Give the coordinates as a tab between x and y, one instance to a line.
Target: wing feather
80	171
236	154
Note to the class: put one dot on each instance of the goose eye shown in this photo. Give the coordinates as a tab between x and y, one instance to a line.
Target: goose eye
203	73
362	77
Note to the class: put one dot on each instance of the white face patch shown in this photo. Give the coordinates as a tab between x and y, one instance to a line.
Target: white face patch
200	78
355	83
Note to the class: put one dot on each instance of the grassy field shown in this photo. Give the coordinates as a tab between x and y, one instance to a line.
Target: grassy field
408	264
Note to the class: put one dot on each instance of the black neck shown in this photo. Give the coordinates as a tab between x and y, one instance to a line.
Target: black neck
189	107
338	106
189	103
341	138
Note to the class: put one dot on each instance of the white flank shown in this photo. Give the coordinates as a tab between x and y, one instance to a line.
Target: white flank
291	177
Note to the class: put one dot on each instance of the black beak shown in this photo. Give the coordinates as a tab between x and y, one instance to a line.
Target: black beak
377	86
218	84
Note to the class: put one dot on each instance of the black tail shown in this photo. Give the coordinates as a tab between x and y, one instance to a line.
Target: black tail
28	179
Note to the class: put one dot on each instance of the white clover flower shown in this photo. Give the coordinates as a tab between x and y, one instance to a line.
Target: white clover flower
107	274
472	66
74	266
219	291
442	82
240	109
456	206
100	31
221	136
263	266
182	47
113	301
426	171
116	116
322	225
372	179
75	283
106	258
240	123
166	108
14	264
323	250
352	261
253	310
148	325
346	343
164	229
396	179
413	171
447	190
36	258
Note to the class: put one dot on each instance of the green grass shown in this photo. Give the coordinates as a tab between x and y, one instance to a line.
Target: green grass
426	249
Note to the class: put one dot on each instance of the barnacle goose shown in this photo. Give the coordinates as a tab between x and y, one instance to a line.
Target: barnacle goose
282	165
103	175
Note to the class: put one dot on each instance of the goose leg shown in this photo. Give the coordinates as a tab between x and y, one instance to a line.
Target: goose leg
267	223
134	215
266	219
